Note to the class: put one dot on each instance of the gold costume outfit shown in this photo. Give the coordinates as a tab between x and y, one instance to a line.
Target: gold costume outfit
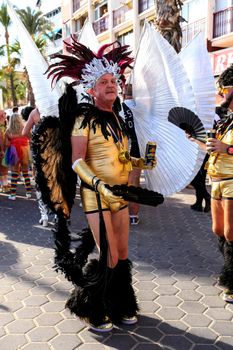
102	159
220	168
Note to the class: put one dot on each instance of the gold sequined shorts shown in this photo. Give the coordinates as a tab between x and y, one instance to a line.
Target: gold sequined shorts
222	189
90	204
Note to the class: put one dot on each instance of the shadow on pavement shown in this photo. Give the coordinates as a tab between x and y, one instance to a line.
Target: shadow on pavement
153	334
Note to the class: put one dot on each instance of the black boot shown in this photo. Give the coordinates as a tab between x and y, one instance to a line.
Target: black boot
226	277
207	205
120	294
221	242
196	206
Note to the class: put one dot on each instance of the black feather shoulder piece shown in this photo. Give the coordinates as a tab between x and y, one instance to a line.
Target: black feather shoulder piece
94	117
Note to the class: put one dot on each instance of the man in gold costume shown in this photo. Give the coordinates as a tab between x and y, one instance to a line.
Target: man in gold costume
220	170
100	157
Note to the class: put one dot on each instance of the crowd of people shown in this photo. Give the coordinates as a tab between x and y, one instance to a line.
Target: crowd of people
15	154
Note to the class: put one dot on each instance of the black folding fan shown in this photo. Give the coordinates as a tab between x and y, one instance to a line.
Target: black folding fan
188	121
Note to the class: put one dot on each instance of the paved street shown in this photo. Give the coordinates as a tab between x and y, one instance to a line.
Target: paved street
176	263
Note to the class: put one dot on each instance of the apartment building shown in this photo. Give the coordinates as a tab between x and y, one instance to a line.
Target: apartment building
215	19
52	12
112	19
124	19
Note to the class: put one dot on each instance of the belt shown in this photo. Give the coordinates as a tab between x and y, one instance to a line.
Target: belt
217	179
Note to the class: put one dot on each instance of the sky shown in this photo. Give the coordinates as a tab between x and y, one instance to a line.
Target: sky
46	6
21	3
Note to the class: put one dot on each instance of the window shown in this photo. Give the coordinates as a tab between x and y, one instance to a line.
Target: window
53	13
145	5
78	24
100	10
126	38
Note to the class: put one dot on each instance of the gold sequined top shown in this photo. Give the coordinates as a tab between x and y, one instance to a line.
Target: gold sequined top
220	165
102	154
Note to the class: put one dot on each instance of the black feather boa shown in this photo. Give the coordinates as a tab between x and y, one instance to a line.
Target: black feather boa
69	262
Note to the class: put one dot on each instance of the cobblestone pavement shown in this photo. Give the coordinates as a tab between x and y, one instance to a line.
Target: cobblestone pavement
176	263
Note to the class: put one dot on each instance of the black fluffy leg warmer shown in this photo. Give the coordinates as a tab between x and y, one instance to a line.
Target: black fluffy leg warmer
120	294
221	242
227	272
88	301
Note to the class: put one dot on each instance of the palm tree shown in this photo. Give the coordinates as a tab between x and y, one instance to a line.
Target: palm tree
4	79
5	21
36	24
2	50
168	20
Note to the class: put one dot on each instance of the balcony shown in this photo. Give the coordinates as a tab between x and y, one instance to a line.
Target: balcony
121	15
223	22
101	25
191	29
144	5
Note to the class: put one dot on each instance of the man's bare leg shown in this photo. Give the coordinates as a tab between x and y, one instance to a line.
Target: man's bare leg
117	230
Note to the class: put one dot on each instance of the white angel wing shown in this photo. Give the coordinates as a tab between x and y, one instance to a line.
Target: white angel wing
160	83
46	99
88	37
196	61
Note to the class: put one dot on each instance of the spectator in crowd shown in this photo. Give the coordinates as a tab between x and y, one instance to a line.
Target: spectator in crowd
17	155
32	120
3	167
15	109
26	112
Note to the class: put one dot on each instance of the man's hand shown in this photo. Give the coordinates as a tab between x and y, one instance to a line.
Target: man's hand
115	202
214	145
202	145
152	164
140	163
